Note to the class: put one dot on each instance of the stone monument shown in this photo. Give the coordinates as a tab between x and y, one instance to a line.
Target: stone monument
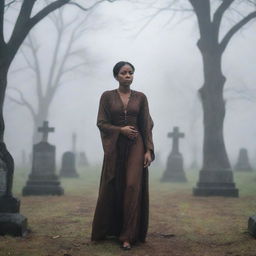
252	226
243	163
68	168
43	180
174	170
11	221
82	159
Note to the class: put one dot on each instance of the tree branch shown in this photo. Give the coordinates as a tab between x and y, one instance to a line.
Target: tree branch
203	13
74	67
54	58
10	3
39	86
234	29
21	28
2	4
91	7
217	17
46	10
22	101
64	60
30	65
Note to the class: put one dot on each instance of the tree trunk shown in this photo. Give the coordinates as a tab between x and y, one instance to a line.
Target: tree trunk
3	84
214	151
5	156
216	177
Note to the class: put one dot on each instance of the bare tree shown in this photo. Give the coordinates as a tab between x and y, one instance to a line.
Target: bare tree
212	49
214	38
212	43
24	22
60	62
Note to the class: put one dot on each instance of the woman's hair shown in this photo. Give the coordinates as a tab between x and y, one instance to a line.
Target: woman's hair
119	65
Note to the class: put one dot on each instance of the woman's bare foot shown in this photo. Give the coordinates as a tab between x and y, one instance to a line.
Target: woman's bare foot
126	245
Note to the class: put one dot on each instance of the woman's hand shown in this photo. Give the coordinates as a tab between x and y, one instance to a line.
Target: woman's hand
129	131
147	159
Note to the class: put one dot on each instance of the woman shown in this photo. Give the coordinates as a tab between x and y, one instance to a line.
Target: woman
126	132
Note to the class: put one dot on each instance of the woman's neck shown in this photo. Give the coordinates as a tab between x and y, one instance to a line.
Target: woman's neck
124	89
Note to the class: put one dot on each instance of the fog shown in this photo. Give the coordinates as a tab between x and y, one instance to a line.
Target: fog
168	70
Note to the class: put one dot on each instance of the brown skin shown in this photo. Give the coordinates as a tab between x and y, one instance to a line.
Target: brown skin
125	78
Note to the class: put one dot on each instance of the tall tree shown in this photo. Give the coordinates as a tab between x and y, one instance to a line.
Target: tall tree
60	62
212	43
26	19
212	49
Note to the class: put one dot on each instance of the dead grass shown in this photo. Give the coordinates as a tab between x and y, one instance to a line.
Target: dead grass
180	224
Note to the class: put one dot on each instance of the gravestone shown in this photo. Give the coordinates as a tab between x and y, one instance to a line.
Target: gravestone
42	179
252	226
11	221
82	159
68	168
174	169
3	178
243	163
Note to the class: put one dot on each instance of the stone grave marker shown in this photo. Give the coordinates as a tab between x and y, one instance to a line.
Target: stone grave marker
68	168
243	163
82	159
11	221
43	179
252	226
3	178
174	169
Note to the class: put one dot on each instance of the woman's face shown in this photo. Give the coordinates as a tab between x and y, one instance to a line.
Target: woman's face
125	75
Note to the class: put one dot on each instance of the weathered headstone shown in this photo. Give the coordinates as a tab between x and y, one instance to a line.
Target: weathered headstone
68	168
3	179
11	221
174	170
43	180
82	159
252	226
243	163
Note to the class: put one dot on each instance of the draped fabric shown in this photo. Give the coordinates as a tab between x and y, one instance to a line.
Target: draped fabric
123	201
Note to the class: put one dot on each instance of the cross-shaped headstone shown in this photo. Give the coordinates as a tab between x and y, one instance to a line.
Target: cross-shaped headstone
45	129
175	135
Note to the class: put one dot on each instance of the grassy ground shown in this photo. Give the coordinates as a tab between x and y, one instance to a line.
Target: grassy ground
180	224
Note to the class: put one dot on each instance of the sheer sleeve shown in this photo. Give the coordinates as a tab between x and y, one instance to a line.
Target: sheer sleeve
104	116
146	125
109	132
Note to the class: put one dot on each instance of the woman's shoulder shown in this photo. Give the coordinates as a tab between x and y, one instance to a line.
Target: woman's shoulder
108	93
140	94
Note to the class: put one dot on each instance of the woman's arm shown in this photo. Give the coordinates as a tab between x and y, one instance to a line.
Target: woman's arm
104	116
146	125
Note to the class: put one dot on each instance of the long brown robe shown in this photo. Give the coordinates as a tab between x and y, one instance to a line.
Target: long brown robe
123	202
